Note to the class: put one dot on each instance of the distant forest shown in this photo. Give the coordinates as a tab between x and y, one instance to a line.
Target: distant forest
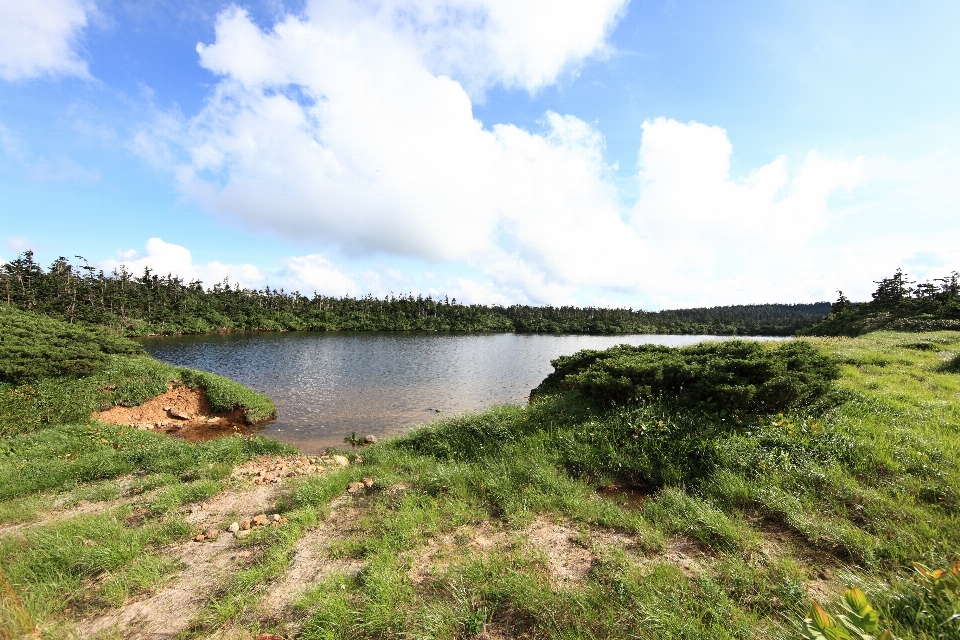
152	304
898	304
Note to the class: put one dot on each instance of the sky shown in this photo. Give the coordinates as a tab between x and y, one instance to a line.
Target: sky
643	154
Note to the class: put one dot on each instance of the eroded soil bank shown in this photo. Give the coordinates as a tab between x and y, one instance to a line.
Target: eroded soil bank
182	411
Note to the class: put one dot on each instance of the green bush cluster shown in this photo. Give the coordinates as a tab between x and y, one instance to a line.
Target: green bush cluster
731	376
33	347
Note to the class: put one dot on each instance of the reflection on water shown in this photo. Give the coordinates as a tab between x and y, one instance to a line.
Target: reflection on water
327	385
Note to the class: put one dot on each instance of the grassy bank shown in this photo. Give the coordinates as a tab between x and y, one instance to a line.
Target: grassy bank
53	373
644	515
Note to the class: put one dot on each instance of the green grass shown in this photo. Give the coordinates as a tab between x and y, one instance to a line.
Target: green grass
847	490
59	560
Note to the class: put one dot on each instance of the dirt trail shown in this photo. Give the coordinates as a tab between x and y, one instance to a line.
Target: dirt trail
257	487
170	610
311	561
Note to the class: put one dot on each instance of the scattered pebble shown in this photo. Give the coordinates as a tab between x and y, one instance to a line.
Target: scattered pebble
356	487
233	528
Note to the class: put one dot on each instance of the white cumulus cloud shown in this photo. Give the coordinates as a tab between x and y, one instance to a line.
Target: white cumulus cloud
39	37
337	127
718	239
164	258
351	127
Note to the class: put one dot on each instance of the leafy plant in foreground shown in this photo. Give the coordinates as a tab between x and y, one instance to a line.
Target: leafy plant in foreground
860	622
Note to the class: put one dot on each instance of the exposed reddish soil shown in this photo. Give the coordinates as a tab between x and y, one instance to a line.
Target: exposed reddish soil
182	412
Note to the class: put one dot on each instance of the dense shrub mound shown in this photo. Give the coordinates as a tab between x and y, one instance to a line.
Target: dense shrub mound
33	347
736	375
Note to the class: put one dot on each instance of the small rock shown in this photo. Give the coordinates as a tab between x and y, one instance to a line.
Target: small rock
371	439
245	524
176	413
368	482
213	420
275	517
260	520
341	461
200	538
233	528
211	533
356	487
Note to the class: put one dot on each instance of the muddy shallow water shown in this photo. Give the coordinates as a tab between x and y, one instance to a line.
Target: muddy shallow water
327	385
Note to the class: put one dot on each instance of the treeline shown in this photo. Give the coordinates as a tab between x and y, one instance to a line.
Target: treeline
152	304
898	304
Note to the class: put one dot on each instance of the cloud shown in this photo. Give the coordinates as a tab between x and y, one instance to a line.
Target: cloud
20	243
717	239
316	273
351	127
165	258
40	38
336	128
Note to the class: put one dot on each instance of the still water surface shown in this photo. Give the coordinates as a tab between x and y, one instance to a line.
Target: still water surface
327	385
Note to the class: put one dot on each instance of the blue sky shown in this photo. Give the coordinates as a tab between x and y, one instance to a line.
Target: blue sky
643	154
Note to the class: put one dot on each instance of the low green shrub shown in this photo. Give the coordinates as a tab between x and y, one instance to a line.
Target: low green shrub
33	347
731	376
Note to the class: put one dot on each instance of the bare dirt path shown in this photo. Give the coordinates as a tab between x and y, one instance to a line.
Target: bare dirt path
311	561
169	611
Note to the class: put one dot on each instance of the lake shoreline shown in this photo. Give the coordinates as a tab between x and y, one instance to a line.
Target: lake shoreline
329	385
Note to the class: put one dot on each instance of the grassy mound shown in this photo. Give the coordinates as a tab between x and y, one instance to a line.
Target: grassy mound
732	376
33	347
82	371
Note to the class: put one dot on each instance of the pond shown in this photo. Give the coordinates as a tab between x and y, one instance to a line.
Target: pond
328	385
